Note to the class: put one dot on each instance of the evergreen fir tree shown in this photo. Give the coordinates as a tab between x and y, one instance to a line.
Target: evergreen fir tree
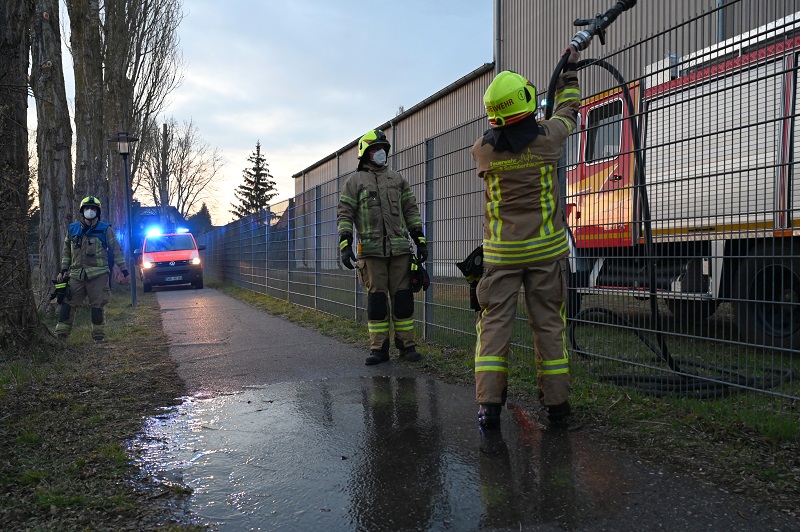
200	222
258	187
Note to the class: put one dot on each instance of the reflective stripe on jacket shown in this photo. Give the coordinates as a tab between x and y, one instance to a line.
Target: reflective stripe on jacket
381	207
523	221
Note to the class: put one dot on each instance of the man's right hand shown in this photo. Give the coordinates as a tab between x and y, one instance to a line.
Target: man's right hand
348	257
62	274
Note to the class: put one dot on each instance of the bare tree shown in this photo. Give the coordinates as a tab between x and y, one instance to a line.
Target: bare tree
143	65
19	322
179	168
90	134
53	141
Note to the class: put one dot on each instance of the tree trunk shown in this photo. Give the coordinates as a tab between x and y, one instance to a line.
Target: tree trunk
118	115
18	319
53	143
90	131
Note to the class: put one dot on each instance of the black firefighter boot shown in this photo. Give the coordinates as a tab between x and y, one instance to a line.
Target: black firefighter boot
489	417
376	356
408	353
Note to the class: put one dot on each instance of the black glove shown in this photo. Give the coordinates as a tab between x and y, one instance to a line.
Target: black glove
422	246
346	250
125	273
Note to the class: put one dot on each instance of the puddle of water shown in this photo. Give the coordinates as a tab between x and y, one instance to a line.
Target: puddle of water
379	453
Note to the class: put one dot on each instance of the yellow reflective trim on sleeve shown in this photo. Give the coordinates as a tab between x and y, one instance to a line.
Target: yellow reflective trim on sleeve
566	123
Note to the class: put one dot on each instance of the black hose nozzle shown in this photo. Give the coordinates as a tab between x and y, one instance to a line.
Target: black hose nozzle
598	25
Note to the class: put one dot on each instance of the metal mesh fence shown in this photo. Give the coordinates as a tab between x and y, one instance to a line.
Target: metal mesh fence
683	207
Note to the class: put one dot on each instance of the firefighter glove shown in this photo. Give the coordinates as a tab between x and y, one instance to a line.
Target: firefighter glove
422	246
346	250
419	276
125	273
60	290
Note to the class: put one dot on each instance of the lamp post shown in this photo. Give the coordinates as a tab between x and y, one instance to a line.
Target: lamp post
124	141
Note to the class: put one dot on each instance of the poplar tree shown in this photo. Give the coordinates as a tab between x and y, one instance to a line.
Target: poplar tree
258	187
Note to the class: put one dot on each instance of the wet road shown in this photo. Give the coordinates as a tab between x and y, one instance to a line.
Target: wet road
287	430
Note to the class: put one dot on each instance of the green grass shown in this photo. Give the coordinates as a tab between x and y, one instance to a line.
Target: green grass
66	412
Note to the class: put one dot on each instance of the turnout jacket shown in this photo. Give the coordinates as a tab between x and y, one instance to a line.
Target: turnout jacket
381	206
85	250
523	221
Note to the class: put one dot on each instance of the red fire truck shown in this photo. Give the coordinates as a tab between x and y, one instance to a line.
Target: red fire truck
714	200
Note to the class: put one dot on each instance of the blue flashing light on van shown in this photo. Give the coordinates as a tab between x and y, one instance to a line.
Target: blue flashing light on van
170	259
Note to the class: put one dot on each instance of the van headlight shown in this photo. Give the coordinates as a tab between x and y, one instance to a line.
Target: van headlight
196	261
146	264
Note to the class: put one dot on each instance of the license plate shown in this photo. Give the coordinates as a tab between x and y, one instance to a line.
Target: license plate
174	278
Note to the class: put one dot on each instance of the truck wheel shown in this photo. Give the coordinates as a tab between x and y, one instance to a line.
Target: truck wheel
147	287
767	297
198	284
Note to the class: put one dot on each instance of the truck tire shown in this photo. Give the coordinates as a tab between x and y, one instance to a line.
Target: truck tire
766	300
198	284
147	287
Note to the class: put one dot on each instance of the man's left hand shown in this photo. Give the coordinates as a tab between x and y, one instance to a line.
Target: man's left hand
125	279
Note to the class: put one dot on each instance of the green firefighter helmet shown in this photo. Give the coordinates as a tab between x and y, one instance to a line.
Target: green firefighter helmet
509	98
90	201
372	138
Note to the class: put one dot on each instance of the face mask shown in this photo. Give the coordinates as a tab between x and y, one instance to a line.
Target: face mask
90	214
379	157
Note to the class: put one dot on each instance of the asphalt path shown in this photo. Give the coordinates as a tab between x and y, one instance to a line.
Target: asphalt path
386	447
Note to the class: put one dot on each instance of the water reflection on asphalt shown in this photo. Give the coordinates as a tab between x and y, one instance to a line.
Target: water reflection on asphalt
375	453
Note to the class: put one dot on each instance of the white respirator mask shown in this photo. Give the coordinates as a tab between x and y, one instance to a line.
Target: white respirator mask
379	157
90	214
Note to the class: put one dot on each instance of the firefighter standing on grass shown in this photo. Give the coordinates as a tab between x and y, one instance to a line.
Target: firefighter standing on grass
525	240
379	204
85	262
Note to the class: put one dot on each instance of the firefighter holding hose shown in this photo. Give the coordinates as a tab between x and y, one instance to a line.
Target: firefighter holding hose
525	239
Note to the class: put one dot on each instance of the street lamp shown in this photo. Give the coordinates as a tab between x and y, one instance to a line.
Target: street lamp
124	141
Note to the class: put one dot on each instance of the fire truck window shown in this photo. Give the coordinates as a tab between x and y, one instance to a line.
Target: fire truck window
604	131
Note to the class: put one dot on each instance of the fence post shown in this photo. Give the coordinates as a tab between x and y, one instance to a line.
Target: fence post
430	174
317	243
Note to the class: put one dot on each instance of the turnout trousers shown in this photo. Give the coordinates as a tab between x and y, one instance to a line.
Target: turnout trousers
545	293
99	294
389	300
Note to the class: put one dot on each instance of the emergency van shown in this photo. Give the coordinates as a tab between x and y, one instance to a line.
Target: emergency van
170	259
709	192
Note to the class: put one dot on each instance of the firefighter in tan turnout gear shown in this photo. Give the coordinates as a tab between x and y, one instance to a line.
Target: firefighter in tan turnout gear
85	263
379	204
524	240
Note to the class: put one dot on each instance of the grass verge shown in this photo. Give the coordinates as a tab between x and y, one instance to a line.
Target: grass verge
66	413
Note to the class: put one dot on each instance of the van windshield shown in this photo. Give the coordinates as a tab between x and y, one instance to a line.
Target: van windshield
169	243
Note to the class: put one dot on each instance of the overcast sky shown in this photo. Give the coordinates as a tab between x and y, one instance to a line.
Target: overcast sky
306	77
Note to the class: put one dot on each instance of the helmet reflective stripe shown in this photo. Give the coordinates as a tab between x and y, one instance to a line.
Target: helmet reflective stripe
374	137
90	201
509	98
